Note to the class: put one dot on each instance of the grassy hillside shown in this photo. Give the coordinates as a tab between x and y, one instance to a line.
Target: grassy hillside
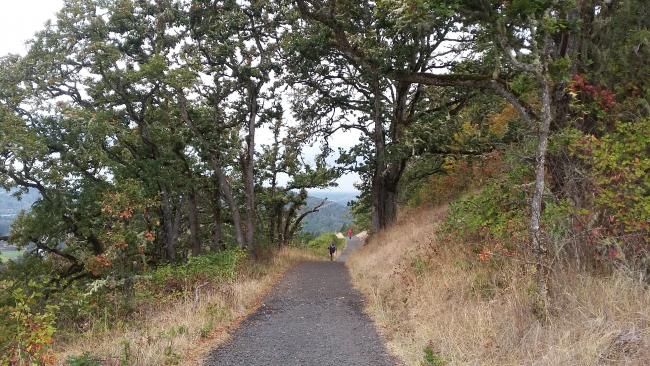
438	302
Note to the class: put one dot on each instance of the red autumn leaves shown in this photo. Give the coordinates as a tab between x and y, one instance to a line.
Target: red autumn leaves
603	96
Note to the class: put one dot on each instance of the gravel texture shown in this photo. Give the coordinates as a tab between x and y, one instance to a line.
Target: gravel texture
313	316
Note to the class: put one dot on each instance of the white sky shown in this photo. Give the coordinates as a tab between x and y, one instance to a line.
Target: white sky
20	19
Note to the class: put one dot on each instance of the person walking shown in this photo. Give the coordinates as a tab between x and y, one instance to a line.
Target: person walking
332	249
350	233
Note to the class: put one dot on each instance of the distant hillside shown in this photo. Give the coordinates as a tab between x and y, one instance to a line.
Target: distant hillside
342	198
10	206
331	217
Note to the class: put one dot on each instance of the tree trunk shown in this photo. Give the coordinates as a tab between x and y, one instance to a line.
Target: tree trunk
224	184
171	223
167	216
176	227
193	214
279	225
539	246
378	194
384	195
249	167
216	218
275	222
228	196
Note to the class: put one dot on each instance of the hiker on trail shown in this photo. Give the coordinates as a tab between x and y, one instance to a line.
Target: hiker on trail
332	249
350	233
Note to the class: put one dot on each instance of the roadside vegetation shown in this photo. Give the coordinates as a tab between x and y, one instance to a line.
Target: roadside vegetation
170	146
439	298
454	281
319	244
178	313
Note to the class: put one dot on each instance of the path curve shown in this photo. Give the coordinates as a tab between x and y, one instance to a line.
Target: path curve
313	316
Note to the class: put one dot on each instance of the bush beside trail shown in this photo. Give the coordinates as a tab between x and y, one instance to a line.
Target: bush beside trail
320	244
158	318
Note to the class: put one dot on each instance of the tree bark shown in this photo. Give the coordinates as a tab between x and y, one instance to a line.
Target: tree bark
539	246
193	215
378	213
296	224
249	166
170	223
216	218
228	196
192	210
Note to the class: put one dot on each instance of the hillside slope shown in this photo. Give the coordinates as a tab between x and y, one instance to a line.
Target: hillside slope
436	303
329	218
10	206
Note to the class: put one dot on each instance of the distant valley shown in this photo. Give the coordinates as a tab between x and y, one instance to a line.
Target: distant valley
333	215
10	207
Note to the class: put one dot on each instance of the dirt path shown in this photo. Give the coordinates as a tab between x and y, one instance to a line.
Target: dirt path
313	316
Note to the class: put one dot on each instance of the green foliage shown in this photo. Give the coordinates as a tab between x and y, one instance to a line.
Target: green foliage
212	267
433	358
419	265
26	328
497	209
360	211
95	118
320	243
7	255
171	356
436	180
84	359
620	166
206	329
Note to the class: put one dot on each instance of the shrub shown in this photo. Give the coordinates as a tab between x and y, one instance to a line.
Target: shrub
498	212
215	266
433	358
320	243
616	224
620	168
85	359
26	329
453	178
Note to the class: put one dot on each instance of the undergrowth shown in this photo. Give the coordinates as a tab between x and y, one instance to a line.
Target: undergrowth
319	245
435	299
176	312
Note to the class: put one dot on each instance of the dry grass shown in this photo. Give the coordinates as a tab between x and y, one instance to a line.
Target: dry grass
182	332
428	292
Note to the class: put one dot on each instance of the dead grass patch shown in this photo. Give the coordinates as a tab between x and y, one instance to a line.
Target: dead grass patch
430	294
182	332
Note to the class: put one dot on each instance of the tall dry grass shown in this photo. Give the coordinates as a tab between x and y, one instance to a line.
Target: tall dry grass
183	331
424	291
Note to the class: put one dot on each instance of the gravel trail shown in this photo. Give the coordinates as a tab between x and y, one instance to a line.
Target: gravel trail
313	316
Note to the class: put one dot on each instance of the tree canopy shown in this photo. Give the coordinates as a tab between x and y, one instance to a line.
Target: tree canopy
138	122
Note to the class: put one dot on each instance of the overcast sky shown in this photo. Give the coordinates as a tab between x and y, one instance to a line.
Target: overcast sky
20	19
